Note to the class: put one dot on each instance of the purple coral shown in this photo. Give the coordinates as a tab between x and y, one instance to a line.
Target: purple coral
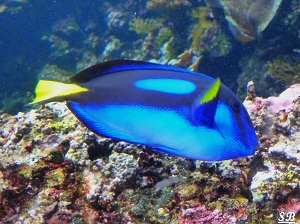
201	214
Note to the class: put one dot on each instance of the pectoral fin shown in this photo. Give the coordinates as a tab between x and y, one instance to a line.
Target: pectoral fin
204	107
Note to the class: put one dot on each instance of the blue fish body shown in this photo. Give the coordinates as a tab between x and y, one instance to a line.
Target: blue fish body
174	110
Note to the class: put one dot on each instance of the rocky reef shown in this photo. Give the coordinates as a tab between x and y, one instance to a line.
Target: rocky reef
54	170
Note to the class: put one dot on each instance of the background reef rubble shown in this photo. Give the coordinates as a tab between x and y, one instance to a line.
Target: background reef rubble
54	170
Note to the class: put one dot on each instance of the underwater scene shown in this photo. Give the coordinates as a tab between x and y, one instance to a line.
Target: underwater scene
150	111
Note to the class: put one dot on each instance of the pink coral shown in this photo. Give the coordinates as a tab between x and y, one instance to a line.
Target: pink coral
275	104
293	205
285	99
201	214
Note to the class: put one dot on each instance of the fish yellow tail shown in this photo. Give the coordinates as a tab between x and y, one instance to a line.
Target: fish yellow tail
47	90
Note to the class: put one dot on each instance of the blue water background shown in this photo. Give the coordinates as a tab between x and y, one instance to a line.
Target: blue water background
26	29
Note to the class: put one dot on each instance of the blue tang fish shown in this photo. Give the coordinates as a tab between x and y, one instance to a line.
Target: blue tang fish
171	109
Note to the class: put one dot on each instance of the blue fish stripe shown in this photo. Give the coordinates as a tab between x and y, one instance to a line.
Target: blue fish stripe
174	86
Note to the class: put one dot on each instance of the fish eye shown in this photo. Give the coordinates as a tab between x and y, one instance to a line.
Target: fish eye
235	104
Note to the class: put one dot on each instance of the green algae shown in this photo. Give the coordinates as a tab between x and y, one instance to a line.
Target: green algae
225	202
27	172
56	177
143	26
170	49
200	28
207	35
188	191
285	69
66	126
165	34
156	34
291	175
151	205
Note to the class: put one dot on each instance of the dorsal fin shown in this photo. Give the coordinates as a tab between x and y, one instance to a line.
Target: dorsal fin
119	66
205	106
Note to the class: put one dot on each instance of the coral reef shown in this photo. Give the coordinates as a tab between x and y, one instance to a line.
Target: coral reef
292	20
54	170
207	36
158	39
285	69
199	30
12	7
199	214
53	72
143	26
